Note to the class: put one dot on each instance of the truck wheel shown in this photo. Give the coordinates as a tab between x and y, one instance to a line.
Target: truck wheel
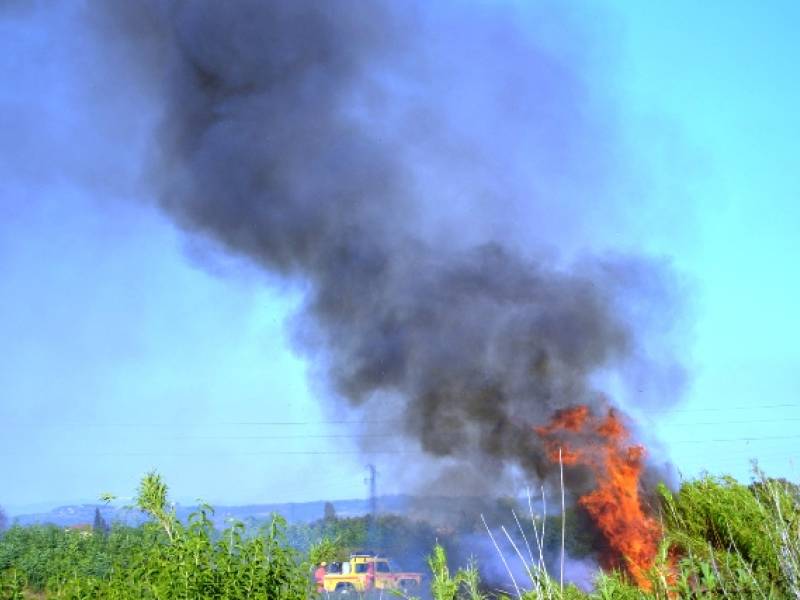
408	584
344	588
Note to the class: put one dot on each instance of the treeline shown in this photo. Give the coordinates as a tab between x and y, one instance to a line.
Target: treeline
93	561
723	539
164	558
408	542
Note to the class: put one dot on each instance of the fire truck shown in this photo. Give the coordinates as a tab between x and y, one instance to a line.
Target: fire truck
365	572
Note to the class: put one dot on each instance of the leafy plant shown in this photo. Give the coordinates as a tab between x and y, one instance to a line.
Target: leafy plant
723	539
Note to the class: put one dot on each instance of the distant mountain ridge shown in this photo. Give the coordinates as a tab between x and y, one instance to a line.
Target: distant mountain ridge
441	511
293	512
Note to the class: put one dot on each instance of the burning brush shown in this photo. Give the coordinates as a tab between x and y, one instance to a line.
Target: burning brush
577	437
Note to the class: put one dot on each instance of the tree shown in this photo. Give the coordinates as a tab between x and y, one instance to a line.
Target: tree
151	498
3	519
100	526
329	512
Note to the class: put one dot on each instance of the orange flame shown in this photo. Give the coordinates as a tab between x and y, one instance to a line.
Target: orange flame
615	506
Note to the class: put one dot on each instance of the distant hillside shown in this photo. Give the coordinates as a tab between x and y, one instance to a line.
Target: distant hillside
437	510
293	512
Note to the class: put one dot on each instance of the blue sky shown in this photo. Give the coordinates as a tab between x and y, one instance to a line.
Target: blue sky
126	346
722	74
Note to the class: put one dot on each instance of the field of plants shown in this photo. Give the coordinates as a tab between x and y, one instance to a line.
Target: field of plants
722	539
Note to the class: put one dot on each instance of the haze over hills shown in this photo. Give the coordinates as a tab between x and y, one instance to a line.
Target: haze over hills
441	511
294	512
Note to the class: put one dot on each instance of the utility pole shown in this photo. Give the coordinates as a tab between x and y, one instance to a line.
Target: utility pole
373	496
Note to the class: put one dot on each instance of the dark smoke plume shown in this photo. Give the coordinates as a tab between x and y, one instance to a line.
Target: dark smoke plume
380	154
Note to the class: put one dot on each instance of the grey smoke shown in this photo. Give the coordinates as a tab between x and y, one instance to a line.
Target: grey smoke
409	164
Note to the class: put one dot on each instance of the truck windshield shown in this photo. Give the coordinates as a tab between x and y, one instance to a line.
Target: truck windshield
383	567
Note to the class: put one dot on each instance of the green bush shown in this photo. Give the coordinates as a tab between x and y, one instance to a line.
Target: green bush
163	559
733	538
722	539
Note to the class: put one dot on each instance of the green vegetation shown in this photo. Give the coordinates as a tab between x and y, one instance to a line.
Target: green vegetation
163	559
723	539
395	536
407	542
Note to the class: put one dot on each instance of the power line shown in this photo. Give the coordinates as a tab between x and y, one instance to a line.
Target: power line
743	422
386	435
290	423
224	454
206	424
737	439
356	436
313	436
743	460
715	408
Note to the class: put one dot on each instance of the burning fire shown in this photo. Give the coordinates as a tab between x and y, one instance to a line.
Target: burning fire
580	438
